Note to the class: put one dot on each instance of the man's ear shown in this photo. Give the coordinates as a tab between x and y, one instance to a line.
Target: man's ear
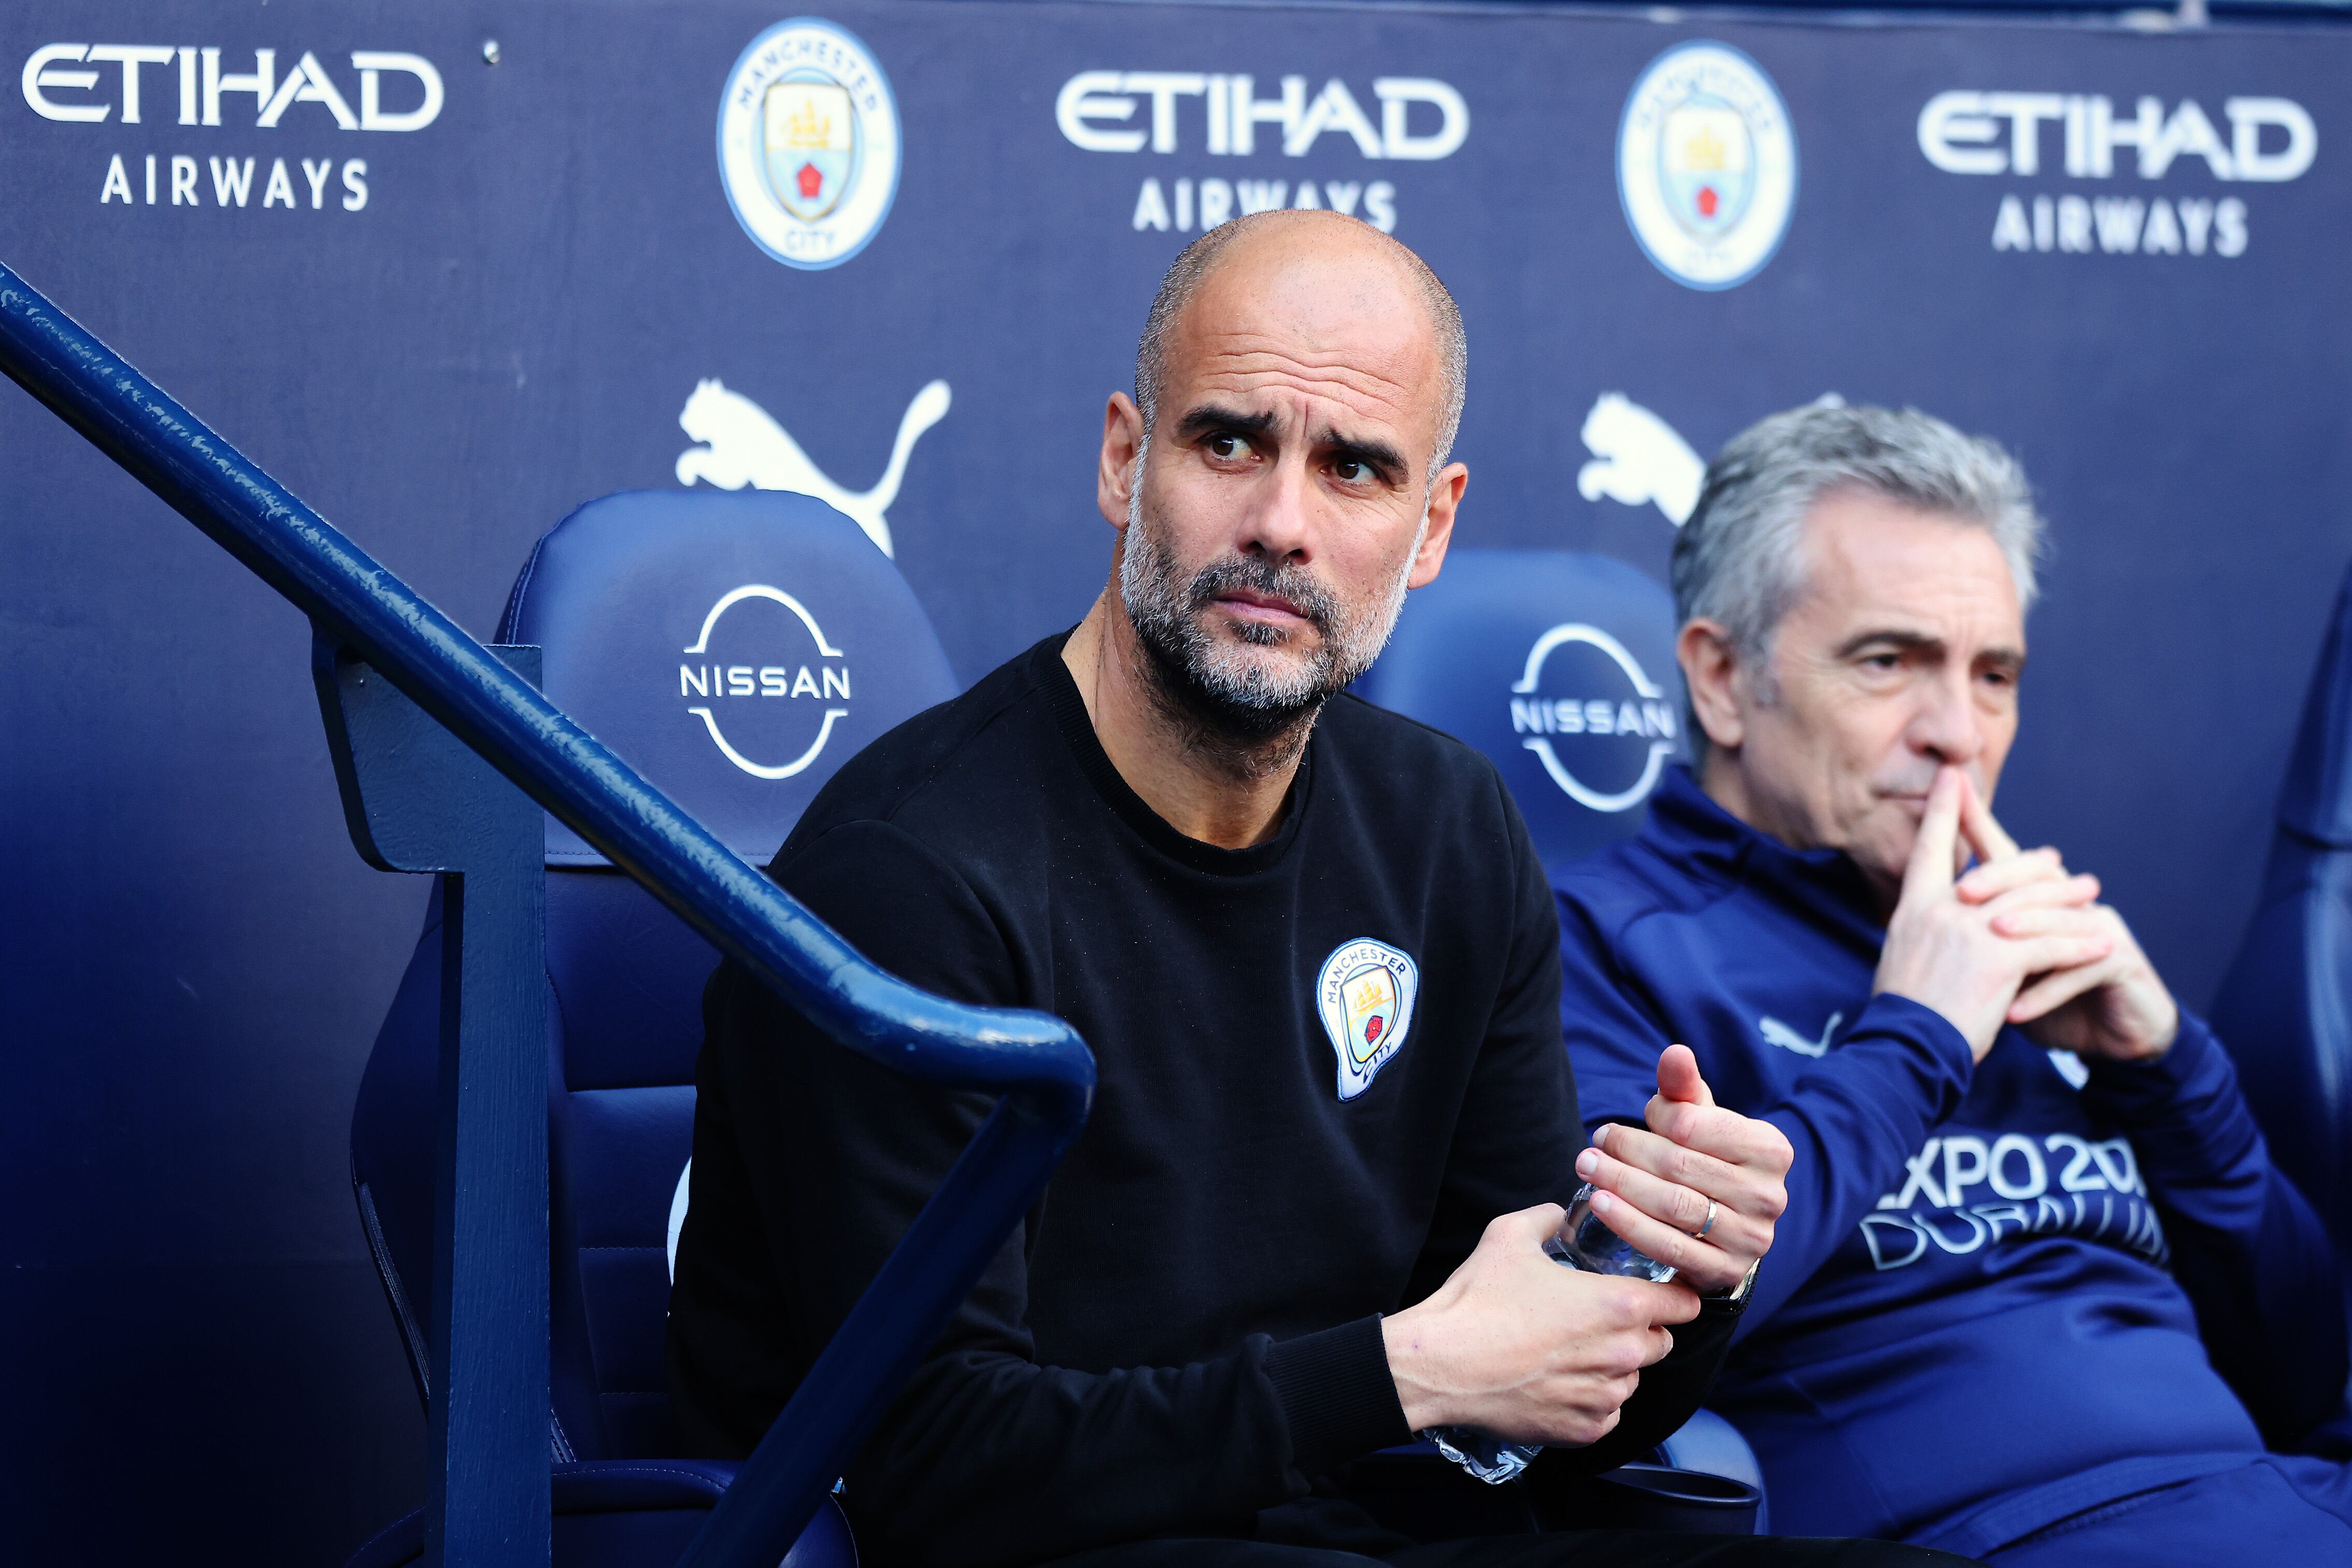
1115	475
1444	501
1711	670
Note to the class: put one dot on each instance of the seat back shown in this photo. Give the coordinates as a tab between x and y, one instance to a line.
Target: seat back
2286	1005
735	648
1560	667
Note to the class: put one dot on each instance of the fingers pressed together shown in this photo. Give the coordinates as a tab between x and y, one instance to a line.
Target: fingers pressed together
2060	987
1988	879
1655	1187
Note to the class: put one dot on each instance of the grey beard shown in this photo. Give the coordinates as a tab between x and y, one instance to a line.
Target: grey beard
1228	702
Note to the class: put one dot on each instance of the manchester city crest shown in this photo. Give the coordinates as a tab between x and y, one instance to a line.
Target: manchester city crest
1365	995
808	144
1707	165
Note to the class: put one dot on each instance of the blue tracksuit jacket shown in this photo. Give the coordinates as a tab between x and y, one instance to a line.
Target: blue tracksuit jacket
2001	1293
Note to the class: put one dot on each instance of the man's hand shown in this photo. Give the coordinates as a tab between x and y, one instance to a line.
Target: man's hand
2114	1006
1526	1349
1947	953
1656	1188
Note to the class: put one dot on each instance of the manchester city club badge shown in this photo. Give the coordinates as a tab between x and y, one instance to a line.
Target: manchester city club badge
1707	165
808	144
1365	995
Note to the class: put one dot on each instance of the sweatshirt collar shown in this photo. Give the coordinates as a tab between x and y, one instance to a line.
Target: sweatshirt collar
1690	830
1070	708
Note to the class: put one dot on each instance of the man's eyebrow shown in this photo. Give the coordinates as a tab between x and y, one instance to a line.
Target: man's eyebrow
1908	641
1209	417
1911	641
1379	454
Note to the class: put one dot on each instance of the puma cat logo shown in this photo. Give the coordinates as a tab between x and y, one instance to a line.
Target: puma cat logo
1776	1033
1637	458
743	445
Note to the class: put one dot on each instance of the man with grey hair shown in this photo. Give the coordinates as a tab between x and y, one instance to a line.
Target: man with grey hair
2040	1296
1316	957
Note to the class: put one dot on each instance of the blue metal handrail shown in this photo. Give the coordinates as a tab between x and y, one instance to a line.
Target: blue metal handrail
1042	1068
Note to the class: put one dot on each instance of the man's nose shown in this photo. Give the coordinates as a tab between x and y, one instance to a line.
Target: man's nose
1279	528
1947	726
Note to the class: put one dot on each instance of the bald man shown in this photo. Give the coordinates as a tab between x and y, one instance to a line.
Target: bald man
1319	964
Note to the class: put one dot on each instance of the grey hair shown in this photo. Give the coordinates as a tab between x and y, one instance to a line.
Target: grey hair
1740	560
1192	266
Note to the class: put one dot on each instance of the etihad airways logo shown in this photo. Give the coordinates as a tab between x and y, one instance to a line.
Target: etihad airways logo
2086	136
134	84
1219	114
1103	112
2270	139
59	85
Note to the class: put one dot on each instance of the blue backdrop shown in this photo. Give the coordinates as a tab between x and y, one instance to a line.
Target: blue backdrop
494	294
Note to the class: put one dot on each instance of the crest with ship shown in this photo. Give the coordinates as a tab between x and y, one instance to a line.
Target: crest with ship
810	144
1706	163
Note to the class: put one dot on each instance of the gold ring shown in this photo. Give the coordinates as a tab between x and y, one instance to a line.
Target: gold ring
1701	1232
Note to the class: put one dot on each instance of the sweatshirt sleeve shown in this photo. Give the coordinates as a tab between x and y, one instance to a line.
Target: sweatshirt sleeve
985	1457
2253	1258
1897	1071
1518	1138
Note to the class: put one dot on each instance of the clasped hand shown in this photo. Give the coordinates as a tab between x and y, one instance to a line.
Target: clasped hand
1537	1353
1697	1168
2018	939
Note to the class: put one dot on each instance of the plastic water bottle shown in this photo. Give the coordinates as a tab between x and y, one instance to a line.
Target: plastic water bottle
1584	1242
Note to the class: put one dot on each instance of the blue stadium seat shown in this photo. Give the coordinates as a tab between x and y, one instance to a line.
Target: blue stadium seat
1712	1446
2285	1006
736	648
1559	667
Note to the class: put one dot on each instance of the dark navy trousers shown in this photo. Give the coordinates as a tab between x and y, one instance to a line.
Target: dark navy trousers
2280	1509
1575	1549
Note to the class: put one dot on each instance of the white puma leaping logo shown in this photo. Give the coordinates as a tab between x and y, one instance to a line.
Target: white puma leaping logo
1638	459
1776	1033
743	445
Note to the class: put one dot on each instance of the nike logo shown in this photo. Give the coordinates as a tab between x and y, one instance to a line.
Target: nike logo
1776	1033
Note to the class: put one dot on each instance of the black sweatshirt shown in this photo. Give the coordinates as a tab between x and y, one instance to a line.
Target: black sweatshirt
1186	1331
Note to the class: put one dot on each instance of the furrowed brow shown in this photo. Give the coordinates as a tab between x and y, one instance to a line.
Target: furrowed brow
2010	658
1903	641
1383	459
2002	657
1208	418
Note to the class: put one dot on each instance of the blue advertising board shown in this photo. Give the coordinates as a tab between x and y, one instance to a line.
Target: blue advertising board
450	272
